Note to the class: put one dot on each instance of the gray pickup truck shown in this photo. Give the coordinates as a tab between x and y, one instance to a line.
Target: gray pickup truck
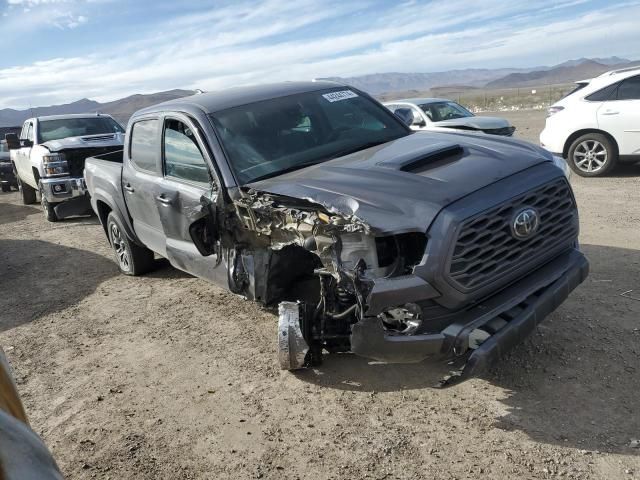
396	245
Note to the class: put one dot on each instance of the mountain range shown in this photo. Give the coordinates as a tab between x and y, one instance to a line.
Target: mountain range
120	109
379	84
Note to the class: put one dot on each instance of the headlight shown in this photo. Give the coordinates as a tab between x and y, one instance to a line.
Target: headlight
562	165
55	165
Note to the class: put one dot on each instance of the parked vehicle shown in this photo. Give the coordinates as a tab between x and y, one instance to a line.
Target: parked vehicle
49	158
7	176
392	244
436	113
597	124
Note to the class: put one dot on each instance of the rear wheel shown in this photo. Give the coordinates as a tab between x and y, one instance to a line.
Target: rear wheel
132	259
592	155
27	192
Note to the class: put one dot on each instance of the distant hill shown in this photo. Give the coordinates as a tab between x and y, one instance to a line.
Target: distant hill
383	85
567	72
386	83
378	83
121	109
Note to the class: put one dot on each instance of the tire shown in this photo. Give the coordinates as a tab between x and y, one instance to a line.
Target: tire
131	259
48	209
27	193
6	187
592	155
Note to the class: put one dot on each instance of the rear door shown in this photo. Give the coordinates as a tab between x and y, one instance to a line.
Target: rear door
620	116
141	177
186	179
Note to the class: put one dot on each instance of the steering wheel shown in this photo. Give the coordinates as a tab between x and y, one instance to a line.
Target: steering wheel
336	134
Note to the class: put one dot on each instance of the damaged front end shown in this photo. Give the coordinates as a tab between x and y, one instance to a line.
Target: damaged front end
326	269
465	289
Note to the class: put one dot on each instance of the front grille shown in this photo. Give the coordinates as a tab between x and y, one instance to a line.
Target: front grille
76	158
486	250
100	138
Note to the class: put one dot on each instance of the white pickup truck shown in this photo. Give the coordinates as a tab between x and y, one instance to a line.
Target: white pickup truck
49	156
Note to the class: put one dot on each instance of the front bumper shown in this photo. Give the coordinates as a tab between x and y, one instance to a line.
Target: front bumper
59	189
517	309
7	175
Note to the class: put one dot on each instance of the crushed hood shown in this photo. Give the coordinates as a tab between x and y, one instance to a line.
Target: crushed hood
480	123
85	141
401	186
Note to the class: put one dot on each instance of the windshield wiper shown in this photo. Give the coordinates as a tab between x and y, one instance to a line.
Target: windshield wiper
292	168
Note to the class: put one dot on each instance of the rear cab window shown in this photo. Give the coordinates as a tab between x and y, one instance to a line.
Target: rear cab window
143	150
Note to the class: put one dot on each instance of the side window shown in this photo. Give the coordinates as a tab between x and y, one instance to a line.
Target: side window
604	94
629	89
142	150
182	156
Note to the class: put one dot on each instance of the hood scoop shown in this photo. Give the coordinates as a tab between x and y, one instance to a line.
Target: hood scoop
418	160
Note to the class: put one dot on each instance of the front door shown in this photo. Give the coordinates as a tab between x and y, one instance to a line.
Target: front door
620	116
23	154
141	176
186	179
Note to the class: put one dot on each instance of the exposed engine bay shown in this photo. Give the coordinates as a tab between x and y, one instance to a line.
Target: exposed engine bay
337	257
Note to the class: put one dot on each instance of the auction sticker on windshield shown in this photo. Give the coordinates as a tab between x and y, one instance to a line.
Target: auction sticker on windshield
341	95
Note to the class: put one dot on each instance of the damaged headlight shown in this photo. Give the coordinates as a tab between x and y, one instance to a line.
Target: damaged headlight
562	165
55	165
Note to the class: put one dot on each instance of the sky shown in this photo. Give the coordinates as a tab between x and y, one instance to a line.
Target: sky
58	51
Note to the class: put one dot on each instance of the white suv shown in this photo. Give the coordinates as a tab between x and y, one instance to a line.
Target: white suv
597	124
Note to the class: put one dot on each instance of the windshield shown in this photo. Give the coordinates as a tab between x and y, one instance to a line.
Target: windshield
76	127
439	111
268	138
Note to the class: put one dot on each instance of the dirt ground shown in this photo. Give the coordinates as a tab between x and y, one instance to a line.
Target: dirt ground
166	376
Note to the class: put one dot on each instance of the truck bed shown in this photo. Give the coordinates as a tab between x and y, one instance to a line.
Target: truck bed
103	176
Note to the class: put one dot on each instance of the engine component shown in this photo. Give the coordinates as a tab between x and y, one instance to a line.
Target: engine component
292	347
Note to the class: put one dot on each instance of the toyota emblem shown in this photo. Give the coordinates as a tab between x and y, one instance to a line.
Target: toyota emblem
525	223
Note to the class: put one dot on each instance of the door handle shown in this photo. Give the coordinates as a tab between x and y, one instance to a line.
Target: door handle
128	188
163	199
610	112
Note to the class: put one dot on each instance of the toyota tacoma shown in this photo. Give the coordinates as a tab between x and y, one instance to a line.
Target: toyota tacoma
395	245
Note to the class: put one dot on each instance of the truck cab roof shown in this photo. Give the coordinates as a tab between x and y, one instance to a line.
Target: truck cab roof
67	116
233	97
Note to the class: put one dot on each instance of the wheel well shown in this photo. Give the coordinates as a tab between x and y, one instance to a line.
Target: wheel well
579	133
103	213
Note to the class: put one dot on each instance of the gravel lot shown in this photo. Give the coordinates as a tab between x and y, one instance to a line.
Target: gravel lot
166	376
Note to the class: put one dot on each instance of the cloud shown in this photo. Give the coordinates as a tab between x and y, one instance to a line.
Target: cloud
250	42
31	15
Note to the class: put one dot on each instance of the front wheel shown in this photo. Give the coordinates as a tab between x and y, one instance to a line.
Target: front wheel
48	208
6	187
592	155
27	192
132	259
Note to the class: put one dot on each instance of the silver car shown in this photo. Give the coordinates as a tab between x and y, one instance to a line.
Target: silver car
436	113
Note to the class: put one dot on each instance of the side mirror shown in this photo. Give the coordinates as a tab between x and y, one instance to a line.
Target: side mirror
25	143
204	232
404	114
12	141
